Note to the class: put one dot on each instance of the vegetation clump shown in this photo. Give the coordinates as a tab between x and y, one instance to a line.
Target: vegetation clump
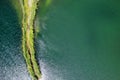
29	10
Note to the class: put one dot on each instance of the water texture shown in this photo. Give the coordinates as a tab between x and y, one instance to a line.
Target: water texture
79	40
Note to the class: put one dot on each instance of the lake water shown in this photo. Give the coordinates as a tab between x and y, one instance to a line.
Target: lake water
79	40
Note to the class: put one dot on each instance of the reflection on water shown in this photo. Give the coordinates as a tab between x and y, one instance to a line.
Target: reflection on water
49	72
48	68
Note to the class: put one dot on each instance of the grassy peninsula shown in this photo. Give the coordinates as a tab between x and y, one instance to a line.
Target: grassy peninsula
29	10
26	11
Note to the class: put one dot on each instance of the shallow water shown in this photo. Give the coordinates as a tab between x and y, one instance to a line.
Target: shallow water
79	41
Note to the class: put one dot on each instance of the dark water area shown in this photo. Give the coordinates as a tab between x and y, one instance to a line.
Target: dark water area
12	65
79	40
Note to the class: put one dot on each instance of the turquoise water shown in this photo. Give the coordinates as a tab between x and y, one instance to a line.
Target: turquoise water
79	40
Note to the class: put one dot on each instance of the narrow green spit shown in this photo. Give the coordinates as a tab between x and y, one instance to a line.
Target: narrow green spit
29	11
26	10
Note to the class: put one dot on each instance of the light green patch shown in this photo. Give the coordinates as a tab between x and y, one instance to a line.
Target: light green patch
17	6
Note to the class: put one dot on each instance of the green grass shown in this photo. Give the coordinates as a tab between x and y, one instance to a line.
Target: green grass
26	14
29	12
